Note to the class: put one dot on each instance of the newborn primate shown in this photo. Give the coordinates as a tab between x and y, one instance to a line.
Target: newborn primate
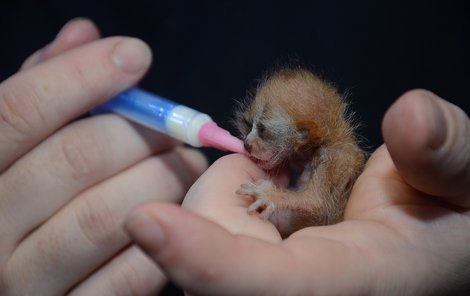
297	119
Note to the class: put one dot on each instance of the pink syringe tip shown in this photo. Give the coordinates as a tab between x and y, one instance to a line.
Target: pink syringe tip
214	136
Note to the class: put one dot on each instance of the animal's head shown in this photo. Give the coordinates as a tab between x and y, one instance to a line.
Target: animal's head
269	133
292	112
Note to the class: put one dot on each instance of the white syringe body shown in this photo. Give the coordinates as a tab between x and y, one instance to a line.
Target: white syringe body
153	111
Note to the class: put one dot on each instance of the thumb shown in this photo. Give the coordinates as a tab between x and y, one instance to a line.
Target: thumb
202	257
429	141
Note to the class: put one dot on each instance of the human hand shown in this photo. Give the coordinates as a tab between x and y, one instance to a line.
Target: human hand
66	184
405	230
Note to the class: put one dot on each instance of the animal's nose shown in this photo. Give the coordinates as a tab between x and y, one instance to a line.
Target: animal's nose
248	147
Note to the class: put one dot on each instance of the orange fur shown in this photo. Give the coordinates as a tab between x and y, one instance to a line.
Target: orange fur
298	118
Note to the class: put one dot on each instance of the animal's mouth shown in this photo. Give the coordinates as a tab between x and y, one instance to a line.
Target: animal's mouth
267	159
266	164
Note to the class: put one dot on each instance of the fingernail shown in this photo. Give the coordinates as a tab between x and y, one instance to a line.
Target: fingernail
437	123
146	230
131	55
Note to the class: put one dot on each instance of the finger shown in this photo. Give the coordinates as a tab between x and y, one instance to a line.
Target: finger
203	258
379	186
36	102
213	196
87	232
130	273
237	168
79	156
429	142
76	32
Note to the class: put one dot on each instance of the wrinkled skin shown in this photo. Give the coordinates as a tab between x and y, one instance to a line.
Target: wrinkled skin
67	184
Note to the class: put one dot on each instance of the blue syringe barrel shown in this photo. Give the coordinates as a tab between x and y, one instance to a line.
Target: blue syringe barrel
156	112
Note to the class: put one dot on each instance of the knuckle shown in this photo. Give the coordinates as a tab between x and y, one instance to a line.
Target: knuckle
21	269
47	247
128	279
80	152
98	223
81	74
20	111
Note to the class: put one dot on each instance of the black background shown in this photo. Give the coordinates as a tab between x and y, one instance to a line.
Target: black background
207	54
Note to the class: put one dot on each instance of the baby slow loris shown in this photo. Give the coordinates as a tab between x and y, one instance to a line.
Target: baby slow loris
298	119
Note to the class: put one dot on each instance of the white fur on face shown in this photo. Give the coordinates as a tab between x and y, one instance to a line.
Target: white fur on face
271	144
261	150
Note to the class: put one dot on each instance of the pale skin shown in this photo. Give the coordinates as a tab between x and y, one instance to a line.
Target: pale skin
65	185
406	228
60	226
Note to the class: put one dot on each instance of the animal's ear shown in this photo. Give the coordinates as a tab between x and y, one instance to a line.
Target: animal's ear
304	133
311	130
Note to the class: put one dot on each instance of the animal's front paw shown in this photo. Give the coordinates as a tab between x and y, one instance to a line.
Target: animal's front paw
262	204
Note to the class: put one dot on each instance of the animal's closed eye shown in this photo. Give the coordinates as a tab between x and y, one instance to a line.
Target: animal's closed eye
261	129
243	124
